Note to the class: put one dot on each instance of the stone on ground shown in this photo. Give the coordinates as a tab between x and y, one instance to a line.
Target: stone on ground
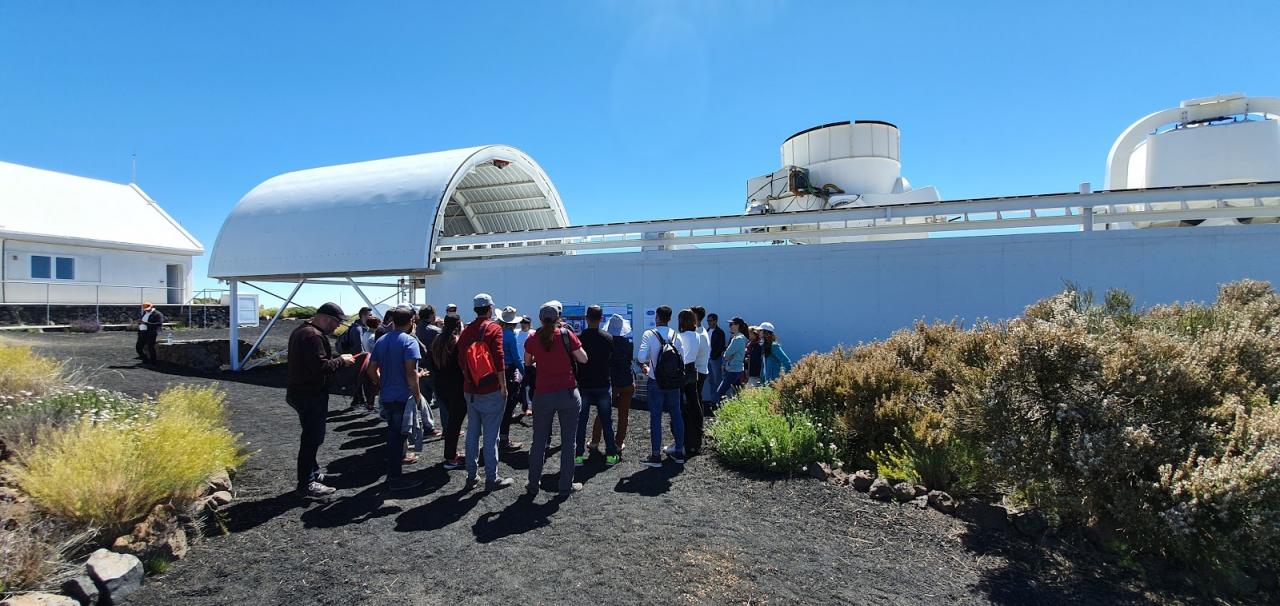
819	471
221	497
904	492
1030	523
942	501
82	589
220	481
159	535
862	479
881	490
985	515
39	599
116	574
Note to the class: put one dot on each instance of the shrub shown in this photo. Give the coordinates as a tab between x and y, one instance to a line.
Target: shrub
21	421
751	435
24	373
111	474
268	312
300	312
85	326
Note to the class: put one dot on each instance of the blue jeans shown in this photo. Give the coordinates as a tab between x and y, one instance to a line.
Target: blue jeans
428	386
715	373
484	411
660	400
394	450
730	382
602	400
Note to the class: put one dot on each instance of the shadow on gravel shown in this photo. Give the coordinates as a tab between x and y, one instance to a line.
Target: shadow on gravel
650	481
363	442
439	513
247	515
365	505
518	518
1039	575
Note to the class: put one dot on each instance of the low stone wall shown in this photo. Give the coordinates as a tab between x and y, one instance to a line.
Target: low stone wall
204	355
200	316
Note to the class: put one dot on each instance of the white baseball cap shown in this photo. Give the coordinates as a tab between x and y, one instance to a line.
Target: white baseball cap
767	326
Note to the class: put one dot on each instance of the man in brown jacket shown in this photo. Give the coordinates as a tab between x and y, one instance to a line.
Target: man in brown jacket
311	366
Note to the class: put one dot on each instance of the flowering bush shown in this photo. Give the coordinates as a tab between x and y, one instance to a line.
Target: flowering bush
751	435
22	420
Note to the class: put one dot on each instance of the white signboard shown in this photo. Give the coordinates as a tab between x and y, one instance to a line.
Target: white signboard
247	310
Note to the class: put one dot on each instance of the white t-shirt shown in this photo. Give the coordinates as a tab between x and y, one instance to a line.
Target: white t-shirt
686	343
704	351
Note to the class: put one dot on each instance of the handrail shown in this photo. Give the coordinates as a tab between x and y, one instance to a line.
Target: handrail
50	284
1085	210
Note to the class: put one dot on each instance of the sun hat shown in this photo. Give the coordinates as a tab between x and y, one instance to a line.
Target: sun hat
332	309
767	326
483	300
556	304
549	311
618	326
508	315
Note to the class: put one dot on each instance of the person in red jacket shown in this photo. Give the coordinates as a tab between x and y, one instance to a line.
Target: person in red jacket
485	388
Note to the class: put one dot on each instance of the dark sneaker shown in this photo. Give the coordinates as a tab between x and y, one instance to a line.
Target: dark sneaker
575	487
456	463
316	489
509	446
498	484
399	484
669	450
654	460
678	458
531	489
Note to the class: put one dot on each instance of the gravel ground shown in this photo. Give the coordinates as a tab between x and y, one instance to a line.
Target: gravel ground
694	534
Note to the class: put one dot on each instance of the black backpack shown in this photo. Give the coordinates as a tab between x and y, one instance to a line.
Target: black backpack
349	342
668	372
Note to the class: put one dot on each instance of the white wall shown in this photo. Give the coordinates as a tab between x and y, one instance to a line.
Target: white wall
823	295
115	275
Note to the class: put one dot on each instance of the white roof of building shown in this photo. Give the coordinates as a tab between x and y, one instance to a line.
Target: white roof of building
381	217
47	206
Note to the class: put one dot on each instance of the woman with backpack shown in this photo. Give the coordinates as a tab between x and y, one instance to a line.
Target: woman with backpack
776	361
448	385
554	349
755	357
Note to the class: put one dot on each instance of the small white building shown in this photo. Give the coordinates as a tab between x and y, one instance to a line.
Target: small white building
73	240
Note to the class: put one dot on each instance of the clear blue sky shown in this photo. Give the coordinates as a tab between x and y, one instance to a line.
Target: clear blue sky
635	109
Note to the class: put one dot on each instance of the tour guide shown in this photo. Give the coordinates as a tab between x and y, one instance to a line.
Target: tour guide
311	366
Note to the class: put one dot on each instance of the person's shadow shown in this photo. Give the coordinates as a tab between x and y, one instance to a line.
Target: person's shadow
650	481
519	517
443	511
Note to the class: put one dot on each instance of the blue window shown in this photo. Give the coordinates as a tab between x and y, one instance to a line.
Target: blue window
41	267
65	268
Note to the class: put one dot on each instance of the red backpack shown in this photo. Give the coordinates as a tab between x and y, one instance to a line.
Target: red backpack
479	363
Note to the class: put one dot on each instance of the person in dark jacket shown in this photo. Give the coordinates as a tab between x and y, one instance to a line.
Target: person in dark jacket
447	369
715	366
149	326
755	357
352	342
311	366
622	380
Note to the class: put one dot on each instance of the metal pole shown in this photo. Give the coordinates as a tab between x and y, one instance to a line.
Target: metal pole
97	303
47	313
234	324
279	312
360	292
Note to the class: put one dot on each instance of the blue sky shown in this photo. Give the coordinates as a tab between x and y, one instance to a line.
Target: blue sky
635	109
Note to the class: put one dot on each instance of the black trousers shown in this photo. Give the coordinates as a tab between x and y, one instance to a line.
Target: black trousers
691	411
456	404
312	411
146	345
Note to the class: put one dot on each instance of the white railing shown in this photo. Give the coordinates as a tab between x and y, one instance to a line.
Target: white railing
1082	211
42	293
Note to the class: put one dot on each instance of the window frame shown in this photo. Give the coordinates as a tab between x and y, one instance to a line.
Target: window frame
48	267
57	269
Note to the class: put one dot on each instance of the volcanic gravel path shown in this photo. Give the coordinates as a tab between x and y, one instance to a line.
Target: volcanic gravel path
695	534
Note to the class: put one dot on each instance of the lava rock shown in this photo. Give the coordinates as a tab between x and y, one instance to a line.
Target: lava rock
221	497
838	478
881	490
862	479
82	589
39	599
159	535
220	482
903	492
116	574
942	501
984	515
1030	523
921	490
819	471
920	502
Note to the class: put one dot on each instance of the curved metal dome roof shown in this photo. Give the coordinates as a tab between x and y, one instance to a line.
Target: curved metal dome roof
297	225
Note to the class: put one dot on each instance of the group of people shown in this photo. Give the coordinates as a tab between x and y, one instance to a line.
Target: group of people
497	368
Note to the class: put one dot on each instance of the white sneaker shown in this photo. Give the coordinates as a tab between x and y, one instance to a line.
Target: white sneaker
316	489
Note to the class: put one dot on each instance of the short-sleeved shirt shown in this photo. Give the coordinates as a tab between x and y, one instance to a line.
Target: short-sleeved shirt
555	373
599	347
391	352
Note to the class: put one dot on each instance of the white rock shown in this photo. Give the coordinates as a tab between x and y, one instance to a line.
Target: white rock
221	497
116	574
39	599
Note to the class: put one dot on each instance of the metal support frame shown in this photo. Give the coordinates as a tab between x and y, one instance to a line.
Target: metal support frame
235	346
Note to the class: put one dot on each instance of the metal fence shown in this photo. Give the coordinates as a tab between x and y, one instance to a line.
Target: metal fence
50	293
